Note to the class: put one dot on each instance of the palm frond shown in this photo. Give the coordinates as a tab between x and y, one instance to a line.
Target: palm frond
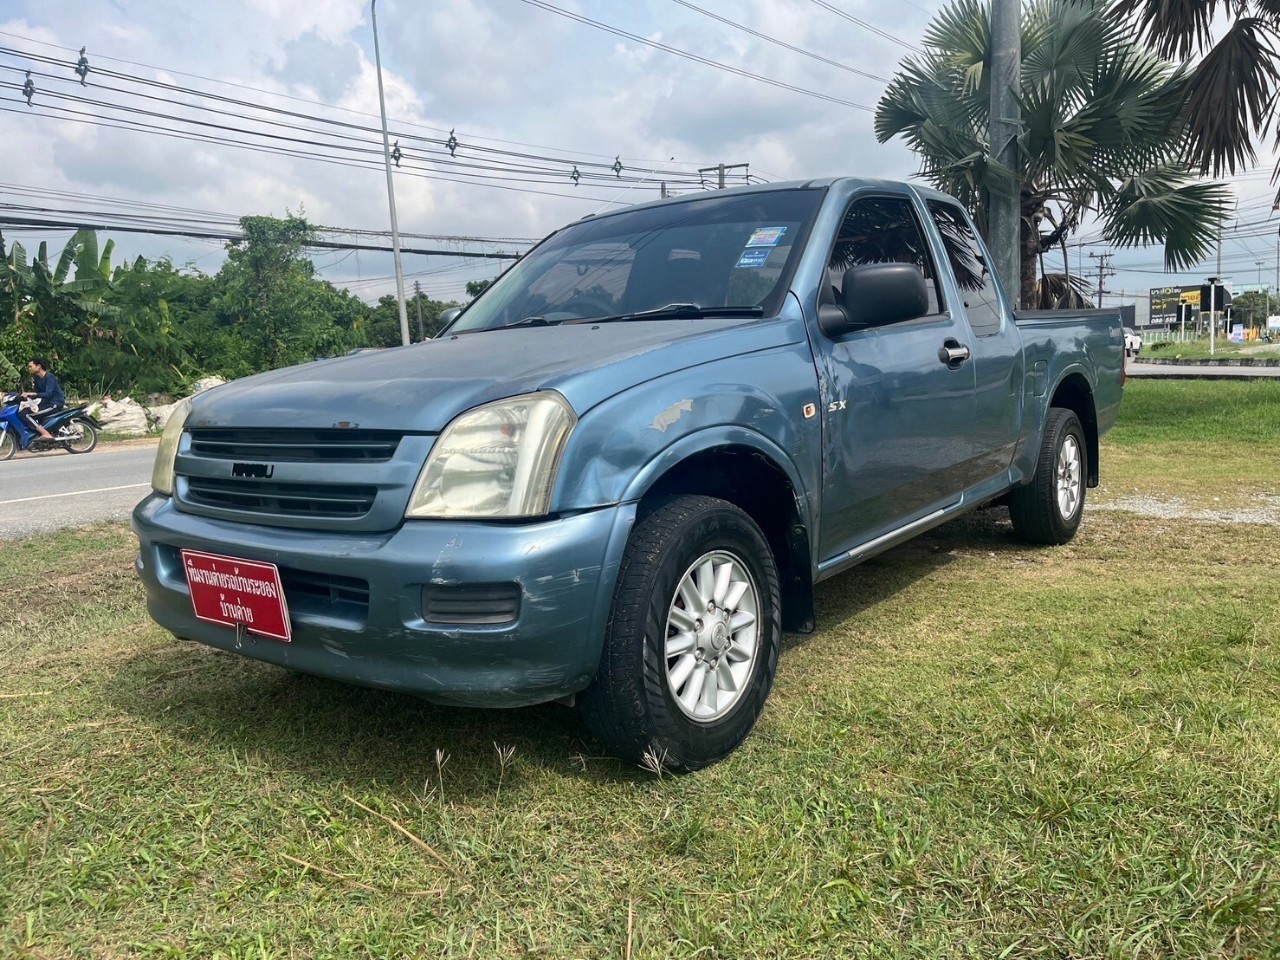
1230	95
1177	28
1057	291
1167	205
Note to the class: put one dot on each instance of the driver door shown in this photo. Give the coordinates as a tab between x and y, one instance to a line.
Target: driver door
897	418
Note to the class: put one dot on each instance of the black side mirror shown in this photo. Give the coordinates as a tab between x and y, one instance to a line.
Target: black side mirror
876	294
448	316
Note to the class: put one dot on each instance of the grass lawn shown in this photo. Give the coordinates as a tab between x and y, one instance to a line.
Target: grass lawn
1198	349
985	751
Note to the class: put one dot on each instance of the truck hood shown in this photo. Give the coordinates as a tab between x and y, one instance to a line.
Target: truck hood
422	387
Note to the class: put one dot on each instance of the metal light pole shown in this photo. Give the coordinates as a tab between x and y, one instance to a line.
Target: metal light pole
1004	221
391	189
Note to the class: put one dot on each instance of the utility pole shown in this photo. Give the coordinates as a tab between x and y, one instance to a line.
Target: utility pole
1104	271
391	190
720	168
1004	220
417	298
1213	297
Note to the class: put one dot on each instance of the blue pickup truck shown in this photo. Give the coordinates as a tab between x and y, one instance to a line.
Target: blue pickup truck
614	479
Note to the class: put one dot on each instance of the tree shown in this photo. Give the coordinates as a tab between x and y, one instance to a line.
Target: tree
1102	130
384	320
1251	308
1230	91
267	295
477	287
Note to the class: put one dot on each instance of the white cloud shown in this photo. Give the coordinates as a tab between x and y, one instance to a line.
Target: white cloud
494	70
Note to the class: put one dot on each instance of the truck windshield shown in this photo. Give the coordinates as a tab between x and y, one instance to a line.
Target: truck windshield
713	256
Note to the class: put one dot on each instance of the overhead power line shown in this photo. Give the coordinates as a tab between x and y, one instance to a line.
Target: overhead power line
296	99
781	43
431	159
867	26
344	135
697	58
83	223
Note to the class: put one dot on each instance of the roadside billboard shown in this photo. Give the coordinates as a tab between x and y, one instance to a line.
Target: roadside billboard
1165	300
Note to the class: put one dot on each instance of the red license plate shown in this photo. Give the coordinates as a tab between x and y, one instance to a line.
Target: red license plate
233	592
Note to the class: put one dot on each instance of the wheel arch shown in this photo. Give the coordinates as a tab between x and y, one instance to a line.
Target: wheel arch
1074	393
761	482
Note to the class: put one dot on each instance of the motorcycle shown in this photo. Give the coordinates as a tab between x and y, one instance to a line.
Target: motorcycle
73	430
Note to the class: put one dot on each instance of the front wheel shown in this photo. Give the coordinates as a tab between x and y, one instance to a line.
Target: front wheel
8	445
80	436
693	637
1048	510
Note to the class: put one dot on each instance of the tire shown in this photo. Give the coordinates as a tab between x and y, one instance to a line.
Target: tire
1048	510
8	445
87	440
652	701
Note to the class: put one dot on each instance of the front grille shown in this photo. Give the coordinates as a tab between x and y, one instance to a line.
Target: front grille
296	446
281	499
471	603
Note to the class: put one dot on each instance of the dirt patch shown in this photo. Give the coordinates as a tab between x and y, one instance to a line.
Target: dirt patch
1263	509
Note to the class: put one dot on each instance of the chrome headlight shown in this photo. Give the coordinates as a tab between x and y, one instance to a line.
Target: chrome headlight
498	460
167	452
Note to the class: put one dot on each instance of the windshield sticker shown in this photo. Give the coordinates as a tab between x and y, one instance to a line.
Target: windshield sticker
752	259
766	237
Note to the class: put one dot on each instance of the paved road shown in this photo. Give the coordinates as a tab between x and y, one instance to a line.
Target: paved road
1180	371
54	490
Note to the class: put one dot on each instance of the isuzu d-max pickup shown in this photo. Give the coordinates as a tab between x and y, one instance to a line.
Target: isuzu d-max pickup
615	477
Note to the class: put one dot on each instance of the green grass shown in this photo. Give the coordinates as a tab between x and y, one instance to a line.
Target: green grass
1199	349
1203	441
1155	412
986	750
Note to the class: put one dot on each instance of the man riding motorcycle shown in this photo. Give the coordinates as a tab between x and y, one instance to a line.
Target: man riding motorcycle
47	391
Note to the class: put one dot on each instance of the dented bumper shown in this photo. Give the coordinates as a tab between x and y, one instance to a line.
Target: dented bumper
356	601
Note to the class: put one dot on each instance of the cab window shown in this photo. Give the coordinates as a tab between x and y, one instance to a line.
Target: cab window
882	230
969	263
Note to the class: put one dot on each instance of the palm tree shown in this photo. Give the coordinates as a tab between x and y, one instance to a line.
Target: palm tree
1230	90
1102	135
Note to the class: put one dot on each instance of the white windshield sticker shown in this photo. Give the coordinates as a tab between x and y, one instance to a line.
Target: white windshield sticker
766	237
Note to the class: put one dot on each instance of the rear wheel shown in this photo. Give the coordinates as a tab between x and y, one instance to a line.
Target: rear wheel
8	444
78	436
693	638
1048	510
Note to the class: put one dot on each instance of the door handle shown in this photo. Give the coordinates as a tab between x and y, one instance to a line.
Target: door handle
953	353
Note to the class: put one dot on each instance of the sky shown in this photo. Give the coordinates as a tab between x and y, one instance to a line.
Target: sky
529	94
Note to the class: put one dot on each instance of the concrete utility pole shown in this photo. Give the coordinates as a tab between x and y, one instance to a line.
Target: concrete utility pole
1213	298
1004	219
417	298
720	168
391	189
1104	271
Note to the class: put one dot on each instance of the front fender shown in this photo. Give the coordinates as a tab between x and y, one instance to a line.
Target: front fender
757	401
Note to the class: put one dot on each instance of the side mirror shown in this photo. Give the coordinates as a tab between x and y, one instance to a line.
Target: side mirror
448	316
876	294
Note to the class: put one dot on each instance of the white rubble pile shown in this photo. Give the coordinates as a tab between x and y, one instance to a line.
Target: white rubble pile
129	418
126	417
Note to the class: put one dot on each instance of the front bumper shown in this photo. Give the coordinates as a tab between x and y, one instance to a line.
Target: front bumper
565	569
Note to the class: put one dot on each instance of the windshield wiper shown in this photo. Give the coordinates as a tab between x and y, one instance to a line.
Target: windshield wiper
676	311
531	322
